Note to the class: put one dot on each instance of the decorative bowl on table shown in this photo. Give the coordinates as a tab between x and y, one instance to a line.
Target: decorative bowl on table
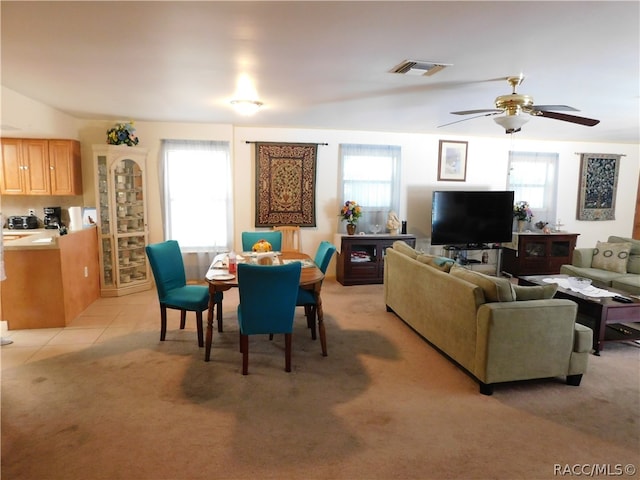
579	283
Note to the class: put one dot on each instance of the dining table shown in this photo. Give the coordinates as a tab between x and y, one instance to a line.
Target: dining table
221	280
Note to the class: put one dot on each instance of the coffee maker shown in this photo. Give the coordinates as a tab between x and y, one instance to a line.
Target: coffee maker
52	217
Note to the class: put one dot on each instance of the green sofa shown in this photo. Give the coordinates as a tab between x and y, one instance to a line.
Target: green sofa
625	278
474	320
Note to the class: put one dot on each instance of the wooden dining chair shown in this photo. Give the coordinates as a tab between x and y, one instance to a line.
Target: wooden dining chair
249	239
167	266
290	237
267	304
306	298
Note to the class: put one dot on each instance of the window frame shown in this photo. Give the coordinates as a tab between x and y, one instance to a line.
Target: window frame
347	186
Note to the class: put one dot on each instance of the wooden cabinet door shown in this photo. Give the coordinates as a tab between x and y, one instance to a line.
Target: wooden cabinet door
65	168
12	181
35	155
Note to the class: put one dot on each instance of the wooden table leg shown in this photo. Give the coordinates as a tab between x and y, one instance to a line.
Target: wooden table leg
321	330
599	333
209	341
219	317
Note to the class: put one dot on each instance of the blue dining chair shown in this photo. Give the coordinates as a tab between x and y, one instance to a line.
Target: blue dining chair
167	266
267	304
306	298
249	239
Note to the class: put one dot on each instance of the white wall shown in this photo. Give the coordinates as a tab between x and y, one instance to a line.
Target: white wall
486	168
23	117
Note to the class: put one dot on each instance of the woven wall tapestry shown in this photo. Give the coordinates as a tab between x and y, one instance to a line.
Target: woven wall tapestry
286	184
598	185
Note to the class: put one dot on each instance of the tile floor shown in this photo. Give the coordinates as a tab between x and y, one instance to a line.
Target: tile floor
103	320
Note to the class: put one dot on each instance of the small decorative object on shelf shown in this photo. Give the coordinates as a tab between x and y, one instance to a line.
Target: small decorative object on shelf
544	226
393	223
351	212
122	133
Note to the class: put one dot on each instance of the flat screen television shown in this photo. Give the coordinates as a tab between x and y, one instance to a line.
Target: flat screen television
471	218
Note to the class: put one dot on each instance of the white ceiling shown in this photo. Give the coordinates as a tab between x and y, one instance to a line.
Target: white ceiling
326	64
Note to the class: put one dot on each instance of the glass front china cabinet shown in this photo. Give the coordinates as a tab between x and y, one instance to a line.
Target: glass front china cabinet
122	219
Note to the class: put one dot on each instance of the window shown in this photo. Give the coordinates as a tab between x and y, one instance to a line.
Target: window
370	175
533	178
197	207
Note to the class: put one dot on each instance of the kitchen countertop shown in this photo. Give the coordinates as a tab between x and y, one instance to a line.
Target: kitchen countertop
34	239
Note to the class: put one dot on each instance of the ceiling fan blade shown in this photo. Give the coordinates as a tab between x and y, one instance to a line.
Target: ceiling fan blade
471	118
557	108
588	122
472	112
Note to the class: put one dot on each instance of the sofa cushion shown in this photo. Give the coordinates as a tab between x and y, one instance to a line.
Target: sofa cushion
441	263
403	247
628	283
495	289
611	256
633	265
541	292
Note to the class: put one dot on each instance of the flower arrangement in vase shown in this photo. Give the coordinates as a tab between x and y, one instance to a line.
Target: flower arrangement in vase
522	212
351	212
122	133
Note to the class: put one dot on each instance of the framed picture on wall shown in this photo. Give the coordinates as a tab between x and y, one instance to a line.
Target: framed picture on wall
452	161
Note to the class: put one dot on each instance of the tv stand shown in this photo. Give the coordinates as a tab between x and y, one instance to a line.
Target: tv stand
468	246
472	256
360	258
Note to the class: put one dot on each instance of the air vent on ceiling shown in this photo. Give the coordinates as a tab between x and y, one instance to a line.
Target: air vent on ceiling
419	67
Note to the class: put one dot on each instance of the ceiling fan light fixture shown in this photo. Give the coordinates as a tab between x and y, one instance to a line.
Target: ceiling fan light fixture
246	107
511	123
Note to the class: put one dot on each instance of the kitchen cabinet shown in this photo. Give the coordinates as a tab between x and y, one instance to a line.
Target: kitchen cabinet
33	166
122	218
538	254
65	167
360	258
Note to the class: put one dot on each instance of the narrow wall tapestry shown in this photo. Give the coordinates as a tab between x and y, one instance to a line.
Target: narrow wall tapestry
598	184
286	184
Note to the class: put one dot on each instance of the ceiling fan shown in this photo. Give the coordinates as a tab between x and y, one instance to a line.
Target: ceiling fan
517	108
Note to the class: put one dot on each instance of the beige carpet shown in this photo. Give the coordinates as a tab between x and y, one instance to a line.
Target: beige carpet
382	405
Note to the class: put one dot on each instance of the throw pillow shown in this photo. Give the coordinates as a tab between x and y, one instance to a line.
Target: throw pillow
441	263
542	292
611	256
495	289
403	247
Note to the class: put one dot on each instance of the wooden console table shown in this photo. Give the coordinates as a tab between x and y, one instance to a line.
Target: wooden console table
538	253
360	258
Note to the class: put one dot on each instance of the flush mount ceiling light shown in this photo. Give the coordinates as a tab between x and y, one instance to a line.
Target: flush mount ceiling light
419	67
246	107
511	123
